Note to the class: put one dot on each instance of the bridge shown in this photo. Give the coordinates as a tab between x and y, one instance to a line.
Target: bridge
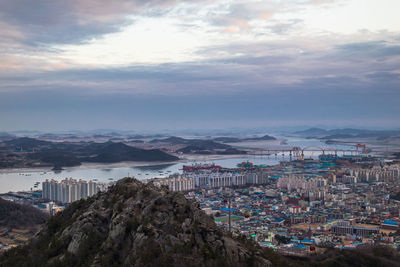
298	152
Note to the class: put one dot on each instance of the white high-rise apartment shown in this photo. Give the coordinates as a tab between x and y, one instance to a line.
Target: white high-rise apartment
69	190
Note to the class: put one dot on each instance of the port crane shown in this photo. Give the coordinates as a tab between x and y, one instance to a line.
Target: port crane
298	152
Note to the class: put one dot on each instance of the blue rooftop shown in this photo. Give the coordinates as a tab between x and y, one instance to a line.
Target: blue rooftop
306	240
394	223
348	247
226	209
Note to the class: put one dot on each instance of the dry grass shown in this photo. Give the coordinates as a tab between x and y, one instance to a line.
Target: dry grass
17	236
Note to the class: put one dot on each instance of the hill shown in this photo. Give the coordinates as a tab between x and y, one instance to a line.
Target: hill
116	152
199	149
227	139
13	215
172	140
134	224
312	131
262	138
206	144
367	256
67	154
200	146
209	147
56	157
337	136
6	136
26	143
236	140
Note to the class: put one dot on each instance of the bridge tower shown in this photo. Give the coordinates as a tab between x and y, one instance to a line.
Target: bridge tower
364	148
298	153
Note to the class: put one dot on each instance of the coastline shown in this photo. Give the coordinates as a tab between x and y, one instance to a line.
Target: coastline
187	159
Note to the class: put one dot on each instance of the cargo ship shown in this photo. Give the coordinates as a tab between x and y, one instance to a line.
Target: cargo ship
198	167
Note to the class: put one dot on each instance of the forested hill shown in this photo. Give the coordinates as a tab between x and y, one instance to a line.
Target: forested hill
13	215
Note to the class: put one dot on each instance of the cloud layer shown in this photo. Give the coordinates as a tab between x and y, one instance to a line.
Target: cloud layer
203	57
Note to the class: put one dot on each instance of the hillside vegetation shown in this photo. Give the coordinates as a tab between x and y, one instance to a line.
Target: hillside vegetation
13	215
29	152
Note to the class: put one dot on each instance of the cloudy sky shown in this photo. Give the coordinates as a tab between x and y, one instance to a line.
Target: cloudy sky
175	64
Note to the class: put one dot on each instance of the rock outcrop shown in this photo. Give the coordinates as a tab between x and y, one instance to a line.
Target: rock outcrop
134	224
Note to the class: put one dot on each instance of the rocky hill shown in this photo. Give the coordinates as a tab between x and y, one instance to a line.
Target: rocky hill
134	224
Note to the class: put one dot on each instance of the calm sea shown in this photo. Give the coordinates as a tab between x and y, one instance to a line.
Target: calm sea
14	180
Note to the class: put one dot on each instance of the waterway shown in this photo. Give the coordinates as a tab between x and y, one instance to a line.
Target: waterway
24	179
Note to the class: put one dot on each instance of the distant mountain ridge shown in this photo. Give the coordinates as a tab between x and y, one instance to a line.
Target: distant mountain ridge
174	140
227	139
210	146
199	146
117	152
347	133
262	138
27	143
179	140
63	154
312	131
6	136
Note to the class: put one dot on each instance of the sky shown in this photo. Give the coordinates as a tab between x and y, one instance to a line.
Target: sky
175	64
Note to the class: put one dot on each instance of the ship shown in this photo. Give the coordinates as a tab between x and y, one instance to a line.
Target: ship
198	167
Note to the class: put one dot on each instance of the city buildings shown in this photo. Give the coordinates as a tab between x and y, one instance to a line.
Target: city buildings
376	174
334	202
175	183
69	190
